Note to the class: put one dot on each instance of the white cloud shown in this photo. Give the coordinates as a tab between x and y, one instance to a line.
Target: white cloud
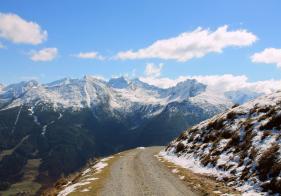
220	83
46	54
89	55
2	45
195	44
18	30
268	56
152	70
163	82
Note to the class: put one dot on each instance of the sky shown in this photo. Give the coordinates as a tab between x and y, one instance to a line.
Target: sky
161	41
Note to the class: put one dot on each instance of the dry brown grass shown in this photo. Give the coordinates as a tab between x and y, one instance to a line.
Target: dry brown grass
235	105
234	141
263	110
211	137
230	115
180	147
206	159
265	134
274	185
216	124
182	136
273	122
267	161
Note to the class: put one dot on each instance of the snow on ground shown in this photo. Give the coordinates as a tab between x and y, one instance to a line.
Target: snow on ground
175	171
86	179
191	163
17	119
71	188
231	146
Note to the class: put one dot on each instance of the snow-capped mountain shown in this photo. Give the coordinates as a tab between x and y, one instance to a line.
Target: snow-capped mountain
119	94
240	146
241	96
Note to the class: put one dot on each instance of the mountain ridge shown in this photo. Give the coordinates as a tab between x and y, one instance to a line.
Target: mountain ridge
89	91
240	146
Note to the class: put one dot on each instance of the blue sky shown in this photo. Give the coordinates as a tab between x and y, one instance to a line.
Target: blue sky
109	27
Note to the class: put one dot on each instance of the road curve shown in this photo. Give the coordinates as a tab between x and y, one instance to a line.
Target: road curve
139	173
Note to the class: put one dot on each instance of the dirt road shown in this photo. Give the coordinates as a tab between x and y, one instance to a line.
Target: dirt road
139	173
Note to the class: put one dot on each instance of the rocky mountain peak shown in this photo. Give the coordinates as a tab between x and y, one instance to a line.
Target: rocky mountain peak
119	83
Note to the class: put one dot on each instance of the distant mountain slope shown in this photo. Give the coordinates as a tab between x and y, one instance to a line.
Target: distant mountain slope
241	146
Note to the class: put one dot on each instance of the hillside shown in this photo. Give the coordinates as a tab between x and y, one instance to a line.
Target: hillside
240	146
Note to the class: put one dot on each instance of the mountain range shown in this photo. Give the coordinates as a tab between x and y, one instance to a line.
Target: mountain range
62	124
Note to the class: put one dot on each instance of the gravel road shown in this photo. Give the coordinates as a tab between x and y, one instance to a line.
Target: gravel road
139	173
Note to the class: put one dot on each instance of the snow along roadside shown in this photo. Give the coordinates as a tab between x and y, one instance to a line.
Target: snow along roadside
190	163
85	179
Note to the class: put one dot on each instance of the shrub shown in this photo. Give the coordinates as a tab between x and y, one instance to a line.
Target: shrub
247	141
267	161
217	124
182	136
254	109
226	134
264	110
62	181
273	122
265	134
167	147
180	147
191	137
210	137
206	159
245	173
248	125
235	105
230	115
253	153
276	169
234	141
192	130
209	159
274	185
263	117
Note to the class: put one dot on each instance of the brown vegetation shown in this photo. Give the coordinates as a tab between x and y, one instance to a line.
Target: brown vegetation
230	115
273	122
267	161
180	147
217	124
